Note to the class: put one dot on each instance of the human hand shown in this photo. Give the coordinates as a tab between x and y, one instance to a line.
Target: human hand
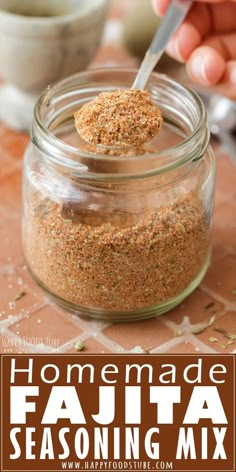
206	41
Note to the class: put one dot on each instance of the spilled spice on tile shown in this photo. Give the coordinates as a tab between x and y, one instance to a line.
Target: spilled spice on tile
117	261
121	118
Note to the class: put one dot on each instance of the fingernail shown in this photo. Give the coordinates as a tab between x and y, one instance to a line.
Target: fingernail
233	75
173	49
155	7
198	68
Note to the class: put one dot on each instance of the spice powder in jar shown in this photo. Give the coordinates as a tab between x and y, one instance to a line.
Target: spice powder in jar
119	235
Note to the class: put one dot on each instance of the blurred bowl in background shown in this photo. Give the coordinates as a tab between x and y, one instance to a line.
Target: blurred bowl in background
41	42
140	25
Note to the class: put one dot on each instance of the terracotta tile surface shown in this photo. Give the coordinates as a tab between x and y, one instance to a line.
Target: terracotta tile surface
90	346
60	327
16	299
221	277
10	191
8	167
198	308
11	146
185	347
222	334
156	333
226	188
31	323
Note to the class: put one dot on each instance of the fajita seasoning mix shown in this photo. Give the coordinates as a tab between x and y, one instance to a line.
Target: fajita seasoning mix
123	118
117	262
111	233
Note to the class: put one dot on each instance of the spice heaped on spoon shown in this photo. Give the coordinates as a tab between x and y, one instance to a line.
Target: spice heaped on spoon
129	118
121	118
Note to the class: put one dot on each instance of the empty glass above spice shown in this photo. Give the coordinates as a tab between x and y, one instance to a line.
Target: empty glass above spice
119	234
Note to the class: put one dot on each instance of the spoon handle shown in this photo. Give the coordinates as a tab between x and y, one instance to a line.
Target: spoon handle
174	16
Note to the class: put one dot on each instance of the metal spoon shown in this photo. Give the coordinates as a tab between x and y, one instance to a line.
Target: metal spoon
174	16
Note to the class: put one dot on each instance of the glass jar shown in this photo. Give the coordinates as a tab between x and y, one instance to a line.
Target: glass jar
111	234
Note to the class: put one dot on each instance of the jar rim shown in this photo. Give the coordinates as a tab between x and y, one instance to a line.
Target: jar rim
64	154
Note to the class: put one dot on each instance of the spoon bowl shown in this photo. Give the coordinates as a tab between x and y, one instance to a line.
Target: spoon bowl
174	16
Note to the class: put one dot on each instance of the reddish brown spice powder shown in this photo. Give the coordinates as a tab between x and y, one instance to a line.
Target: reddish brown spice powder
113	261
122	118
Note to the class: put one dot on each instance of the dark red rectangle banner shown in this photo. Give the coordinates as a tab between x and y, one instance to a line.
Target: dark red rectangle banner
118	412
